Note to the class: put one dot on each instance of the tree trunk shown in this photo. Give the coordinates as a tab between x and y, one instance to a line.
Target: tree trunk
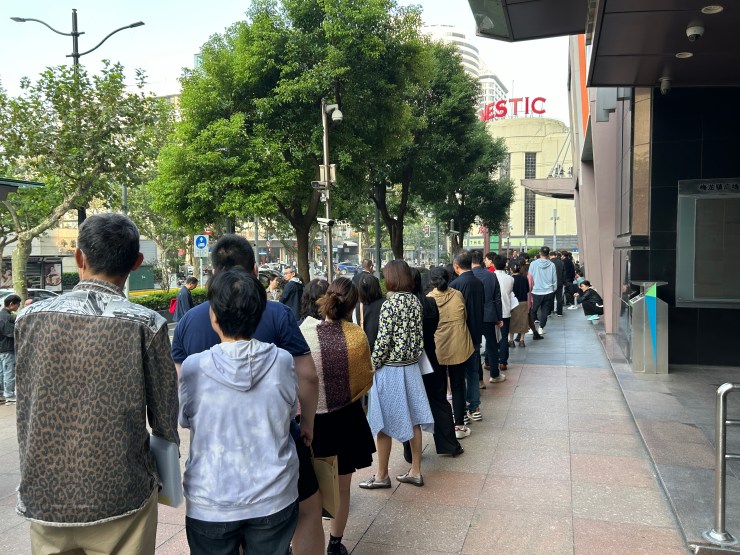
20	259
396	231
302	258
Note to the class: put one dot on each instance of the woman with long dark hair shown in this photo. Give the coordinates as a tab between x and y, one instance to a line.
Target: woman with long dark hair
398	403
371	300
342	357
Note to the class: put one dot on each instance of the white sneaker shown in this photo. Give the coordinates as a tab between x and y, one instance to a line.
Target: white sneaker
461	432
573	307
541	331
529	331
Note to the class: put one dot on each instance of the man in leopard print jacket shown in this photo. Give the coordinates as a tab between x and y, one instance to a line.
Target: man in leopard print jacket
91	366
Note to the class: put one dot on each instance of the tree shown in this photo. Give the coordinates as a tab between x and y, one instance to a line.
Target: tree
83	137
476	196
250	141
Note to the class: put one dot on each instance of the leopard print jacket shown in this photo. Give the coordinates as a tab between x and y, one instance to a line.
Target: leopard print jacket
90	367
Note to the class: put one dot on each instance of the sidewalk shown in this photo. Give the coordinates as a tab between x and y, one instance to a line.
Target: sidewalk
556	466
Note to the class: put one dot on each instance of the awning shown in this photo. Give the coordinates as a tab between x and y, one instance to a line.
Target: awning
555	187
8	186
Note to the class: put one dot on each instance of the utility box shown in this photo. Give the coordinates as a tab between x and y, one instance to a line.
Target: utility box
141	279
649	329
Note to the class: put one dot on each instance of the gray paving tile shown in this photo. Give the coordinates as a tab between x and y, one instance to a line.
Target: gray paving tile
420	526
621	504
621	445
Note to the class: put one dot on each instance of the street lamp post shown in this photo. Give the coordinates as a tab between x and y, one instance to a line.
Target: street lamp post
327	179
75	34
76	55
555	219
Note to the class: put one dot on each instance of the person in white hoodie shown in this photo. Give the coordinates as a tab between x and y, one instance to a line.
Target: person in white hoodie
238	399
545	279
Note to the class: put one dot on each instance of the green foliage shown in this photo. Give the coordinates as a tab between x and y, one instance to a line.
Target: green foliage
69	280
533	253
161	301
83	137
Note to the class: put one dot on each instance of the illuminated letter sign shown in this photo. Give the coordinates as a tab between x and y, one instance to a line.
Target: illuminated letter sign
518	107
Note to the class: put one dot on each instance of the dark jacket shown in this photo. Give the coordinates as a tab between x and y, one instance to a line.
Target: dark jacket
7	328
184	303
492	310
474	295
430	321
591	301
370	320
559	270
521	287
291	297
358	276
570	270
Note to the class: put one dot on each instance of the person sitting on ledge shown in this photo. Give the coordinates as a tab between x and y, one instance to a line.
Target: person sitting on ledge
593	304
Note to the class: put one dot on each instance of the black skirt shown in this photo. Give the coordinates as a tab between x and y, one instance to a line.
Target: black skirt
346	434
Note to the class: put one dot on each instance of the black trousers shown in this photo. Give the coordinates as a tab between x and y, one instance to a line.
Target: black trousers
559	298
444	427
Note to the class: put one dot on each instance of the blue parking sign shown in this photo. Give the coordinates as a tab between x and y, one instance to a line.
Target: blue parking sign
201	246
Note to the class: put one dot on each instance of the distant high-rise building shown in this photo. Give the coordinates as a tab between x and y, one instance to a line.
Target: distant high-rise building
452	35
492	89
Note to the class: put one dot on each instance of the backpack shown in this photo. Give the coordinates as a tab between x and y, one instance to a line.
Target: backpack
173	305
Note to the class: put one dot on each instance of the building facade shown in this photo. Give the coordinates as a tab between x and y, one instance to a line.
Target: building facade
539	153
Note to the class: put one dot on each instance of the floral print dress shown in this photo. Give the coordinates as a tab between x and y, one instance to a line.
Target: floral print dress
398	400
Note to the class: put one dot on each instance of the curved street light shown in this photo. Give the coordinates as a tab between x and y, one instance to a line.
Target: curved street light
75	34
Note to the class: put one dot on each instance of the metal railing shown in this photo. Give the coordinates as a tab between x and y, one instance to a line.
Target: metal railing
718	535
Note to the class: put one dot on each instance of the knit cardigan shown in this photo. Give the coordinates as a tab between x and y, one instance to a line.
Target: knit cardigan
342	357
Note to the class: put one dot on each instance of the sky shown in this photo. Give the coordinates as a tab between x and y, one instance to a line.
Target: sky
174	31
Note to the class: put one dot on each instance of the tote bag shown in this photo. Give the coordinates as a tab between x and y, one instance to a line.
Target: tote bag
327	474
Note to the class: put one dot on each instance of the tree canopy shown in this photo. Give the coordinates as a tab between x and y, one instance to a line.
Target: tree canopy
83	137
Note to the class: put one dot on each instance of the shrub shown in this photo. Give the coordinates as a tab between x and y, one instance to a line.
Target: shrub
534	253
161	301
69	280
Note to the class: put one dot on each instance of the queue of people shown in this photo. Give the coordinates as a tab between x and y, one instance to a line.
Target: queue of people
263	387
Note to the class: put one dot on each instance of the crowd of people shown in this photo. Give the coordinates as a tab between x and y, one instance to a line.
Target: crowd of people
263	387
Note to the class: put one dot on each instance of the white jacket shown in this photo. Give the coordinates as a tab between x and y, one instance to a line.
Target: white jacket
506	283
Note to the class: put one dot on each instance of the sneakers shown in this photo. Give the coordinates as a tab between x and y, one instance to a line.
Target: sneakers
476	415
466	418
10	400
461	432
541	331
481	385
594	317
538	336
498	379
573	307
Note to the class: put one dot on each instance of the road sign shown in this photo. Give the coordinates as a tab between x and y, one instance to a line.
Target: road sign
427	231
201	246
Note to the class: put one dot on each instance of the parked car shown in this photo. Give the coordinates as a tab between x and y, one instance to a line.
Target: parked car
35	294
344	268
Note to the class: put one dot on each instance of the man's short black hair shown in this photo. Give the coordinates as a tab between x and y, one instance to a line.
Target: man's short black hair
476	256
232	250
191	280
464	260
110	243
238	300
499	262
11	299
545	251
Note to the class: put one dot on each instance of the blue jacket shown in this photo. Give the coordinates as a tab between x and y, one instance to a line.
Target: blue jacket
492	309
184	303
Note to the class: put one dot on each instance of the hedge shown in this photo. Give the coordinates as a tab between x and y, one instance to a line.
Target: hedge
69	280
161	301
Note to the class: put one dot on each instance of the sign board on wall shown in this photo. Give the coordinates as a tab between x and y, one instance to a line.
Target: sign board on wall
522	106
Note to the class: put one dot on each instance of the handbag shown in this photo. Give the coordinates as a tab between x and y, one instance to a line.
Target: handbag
424	364
327	474
514	301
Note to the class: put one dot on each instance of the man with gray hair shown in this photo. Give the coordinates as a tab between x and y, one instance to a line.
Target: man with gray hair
293	291
91	369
